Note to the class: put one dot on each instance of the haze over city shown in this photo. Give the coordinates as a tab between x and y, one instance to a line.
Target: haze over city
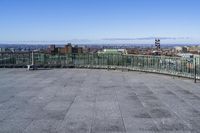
99	21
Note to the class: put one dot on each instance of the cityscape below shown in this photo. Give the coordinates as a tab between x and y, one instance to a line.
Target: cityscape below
175	50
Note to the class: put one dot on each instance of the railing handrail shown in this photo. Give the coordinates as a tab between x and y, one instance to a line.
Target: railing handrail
180	66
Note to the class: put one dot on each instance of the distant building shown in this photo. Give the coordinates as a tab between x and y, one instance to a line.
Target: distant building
67	49
77	50
113	51
61	50
178	49
185	49
2	49
51	49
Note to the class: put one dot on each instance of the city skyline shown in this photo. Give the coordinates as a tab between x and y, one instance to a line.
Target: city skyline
99	22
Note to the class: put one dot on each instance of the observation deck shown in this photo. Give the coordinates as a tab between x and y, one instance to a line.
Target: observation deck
96	101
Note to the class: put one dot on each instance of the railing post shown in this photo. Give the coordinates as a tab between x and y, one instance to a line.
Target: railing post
32	58
108	61
195	71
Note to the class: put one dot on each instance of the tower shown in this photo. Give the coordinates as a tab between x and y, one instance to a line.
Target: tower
157	43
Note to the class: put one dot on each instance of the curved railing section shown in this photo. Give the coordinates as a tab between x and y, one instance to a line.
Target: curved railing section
185	67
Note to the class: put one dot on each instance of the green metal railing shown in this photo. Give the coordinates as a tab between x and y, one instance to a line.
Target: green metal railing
186	67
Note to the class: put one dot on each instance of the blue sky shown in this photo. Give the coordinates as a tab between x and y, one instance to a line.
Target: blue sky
100	21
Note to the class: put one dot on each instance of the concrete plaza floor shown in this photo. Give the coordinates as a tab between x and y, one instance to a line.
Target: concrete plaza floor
96	101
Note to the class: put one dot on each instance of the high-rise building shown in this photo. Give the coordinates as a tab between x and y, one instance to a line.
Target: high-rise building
68	48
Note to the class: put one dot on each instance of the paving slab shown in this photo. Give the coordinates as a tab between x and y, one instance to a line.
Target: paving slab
97	101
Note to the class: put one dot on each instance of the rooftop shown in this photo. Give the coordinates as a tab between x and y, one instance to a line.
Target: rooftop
96	101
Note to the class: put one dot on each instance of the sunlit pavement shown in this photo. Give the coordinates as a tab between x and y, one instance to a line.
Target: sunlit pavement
96	101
